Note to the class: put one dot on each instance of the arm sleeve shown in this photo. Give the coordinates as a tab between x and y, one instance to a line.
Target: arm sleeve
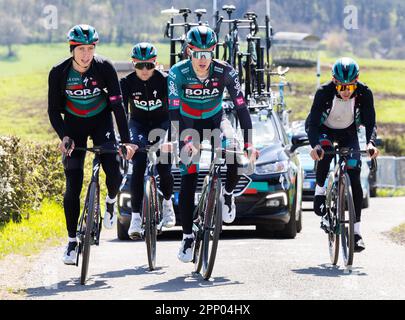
54	114
115	97
173	91
314	119
173	88
233	85
125	94
368	116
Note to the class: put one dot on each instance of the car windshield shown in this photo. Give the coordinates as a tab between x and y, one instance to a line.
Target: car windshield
264	131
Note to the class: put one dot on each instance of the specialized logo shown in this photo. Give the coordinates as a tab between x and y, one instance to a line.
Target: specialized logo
322	207
85	81
95	170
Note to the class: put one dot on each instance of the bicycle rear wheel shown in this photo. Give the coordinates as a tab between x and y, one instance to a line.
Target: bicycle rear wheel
347	216
212	228
88	227
331	209
151	213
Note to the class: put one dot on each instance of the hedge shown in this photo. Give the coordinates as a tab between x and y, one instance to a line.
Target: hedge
29	173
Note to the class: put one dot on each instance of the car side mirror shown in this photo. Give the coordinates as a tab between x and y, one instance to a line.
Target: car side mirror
299	140
379	142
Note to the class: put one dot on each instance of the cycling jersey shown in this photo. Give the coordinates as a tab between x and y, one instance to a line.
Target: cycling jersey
100	82
195	99
147	99
324	103
83	97
197	104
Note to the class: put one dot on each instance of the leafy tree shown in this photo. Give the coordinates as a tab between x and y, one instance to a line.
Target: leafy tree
12	32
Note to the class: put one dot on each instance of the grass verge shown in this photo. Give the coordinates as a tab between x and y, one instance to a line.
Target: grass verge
388	192
44	227
397	234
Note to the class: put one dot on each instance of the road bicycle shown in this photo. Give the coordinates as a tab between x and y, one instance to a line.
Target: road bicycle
169	32
340	209
207	215
90	221
278	99
152	222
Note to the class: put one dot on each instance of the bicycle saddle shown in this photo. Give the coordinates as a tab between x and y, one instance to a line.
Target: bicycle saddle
229	8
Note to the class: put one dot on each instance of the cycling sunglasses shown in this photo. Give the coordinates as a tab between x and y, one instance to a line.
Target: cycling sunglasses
344	87
202	54
147	65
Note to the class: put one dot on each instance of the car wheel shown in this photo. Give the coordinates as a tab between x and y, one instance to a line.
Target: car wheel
122	231
299	222
366	201
290	229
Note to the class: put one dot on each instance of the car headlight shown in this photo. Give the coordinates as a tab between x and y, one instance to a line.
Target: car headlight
273	167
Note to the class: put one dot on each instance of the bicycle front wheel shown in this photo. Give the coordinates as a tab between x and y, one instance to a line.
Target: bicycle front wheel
151	213
331	210
198	223
347	216
88	227
212	228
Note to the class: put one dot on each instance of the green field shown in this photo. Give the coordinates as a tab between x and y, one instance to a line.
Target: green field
23	86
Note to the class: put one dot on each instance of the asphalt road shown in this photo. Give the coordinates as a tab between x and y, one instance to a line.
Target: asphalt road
247	266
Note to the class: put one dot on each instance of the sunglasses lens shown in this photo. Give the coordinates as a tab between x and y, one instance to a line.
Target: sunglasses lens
147	65
202	54
344	87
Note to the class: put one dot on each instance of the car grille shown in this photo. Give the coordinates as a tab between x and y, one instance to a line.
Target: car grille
242	185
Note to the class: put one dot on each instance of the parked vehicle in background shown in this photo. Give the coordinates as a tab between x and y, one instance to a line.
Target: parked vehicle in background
310	175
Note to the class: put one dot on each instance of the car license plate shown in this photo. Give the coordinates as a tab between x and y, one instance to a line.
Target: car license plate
306	185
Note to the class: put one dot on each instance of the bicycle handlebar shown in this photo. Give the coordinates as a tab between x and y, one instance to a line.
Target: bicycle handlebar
98	149
344	152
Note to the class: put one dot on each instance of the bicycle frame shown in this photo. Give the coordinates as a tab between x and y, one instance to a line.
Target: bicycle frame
169	32
339	198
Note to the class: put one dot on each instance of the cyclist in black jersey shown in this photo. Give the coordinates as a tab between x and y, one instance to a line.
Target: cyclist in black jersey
196	87
145	90
339	108
85	88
